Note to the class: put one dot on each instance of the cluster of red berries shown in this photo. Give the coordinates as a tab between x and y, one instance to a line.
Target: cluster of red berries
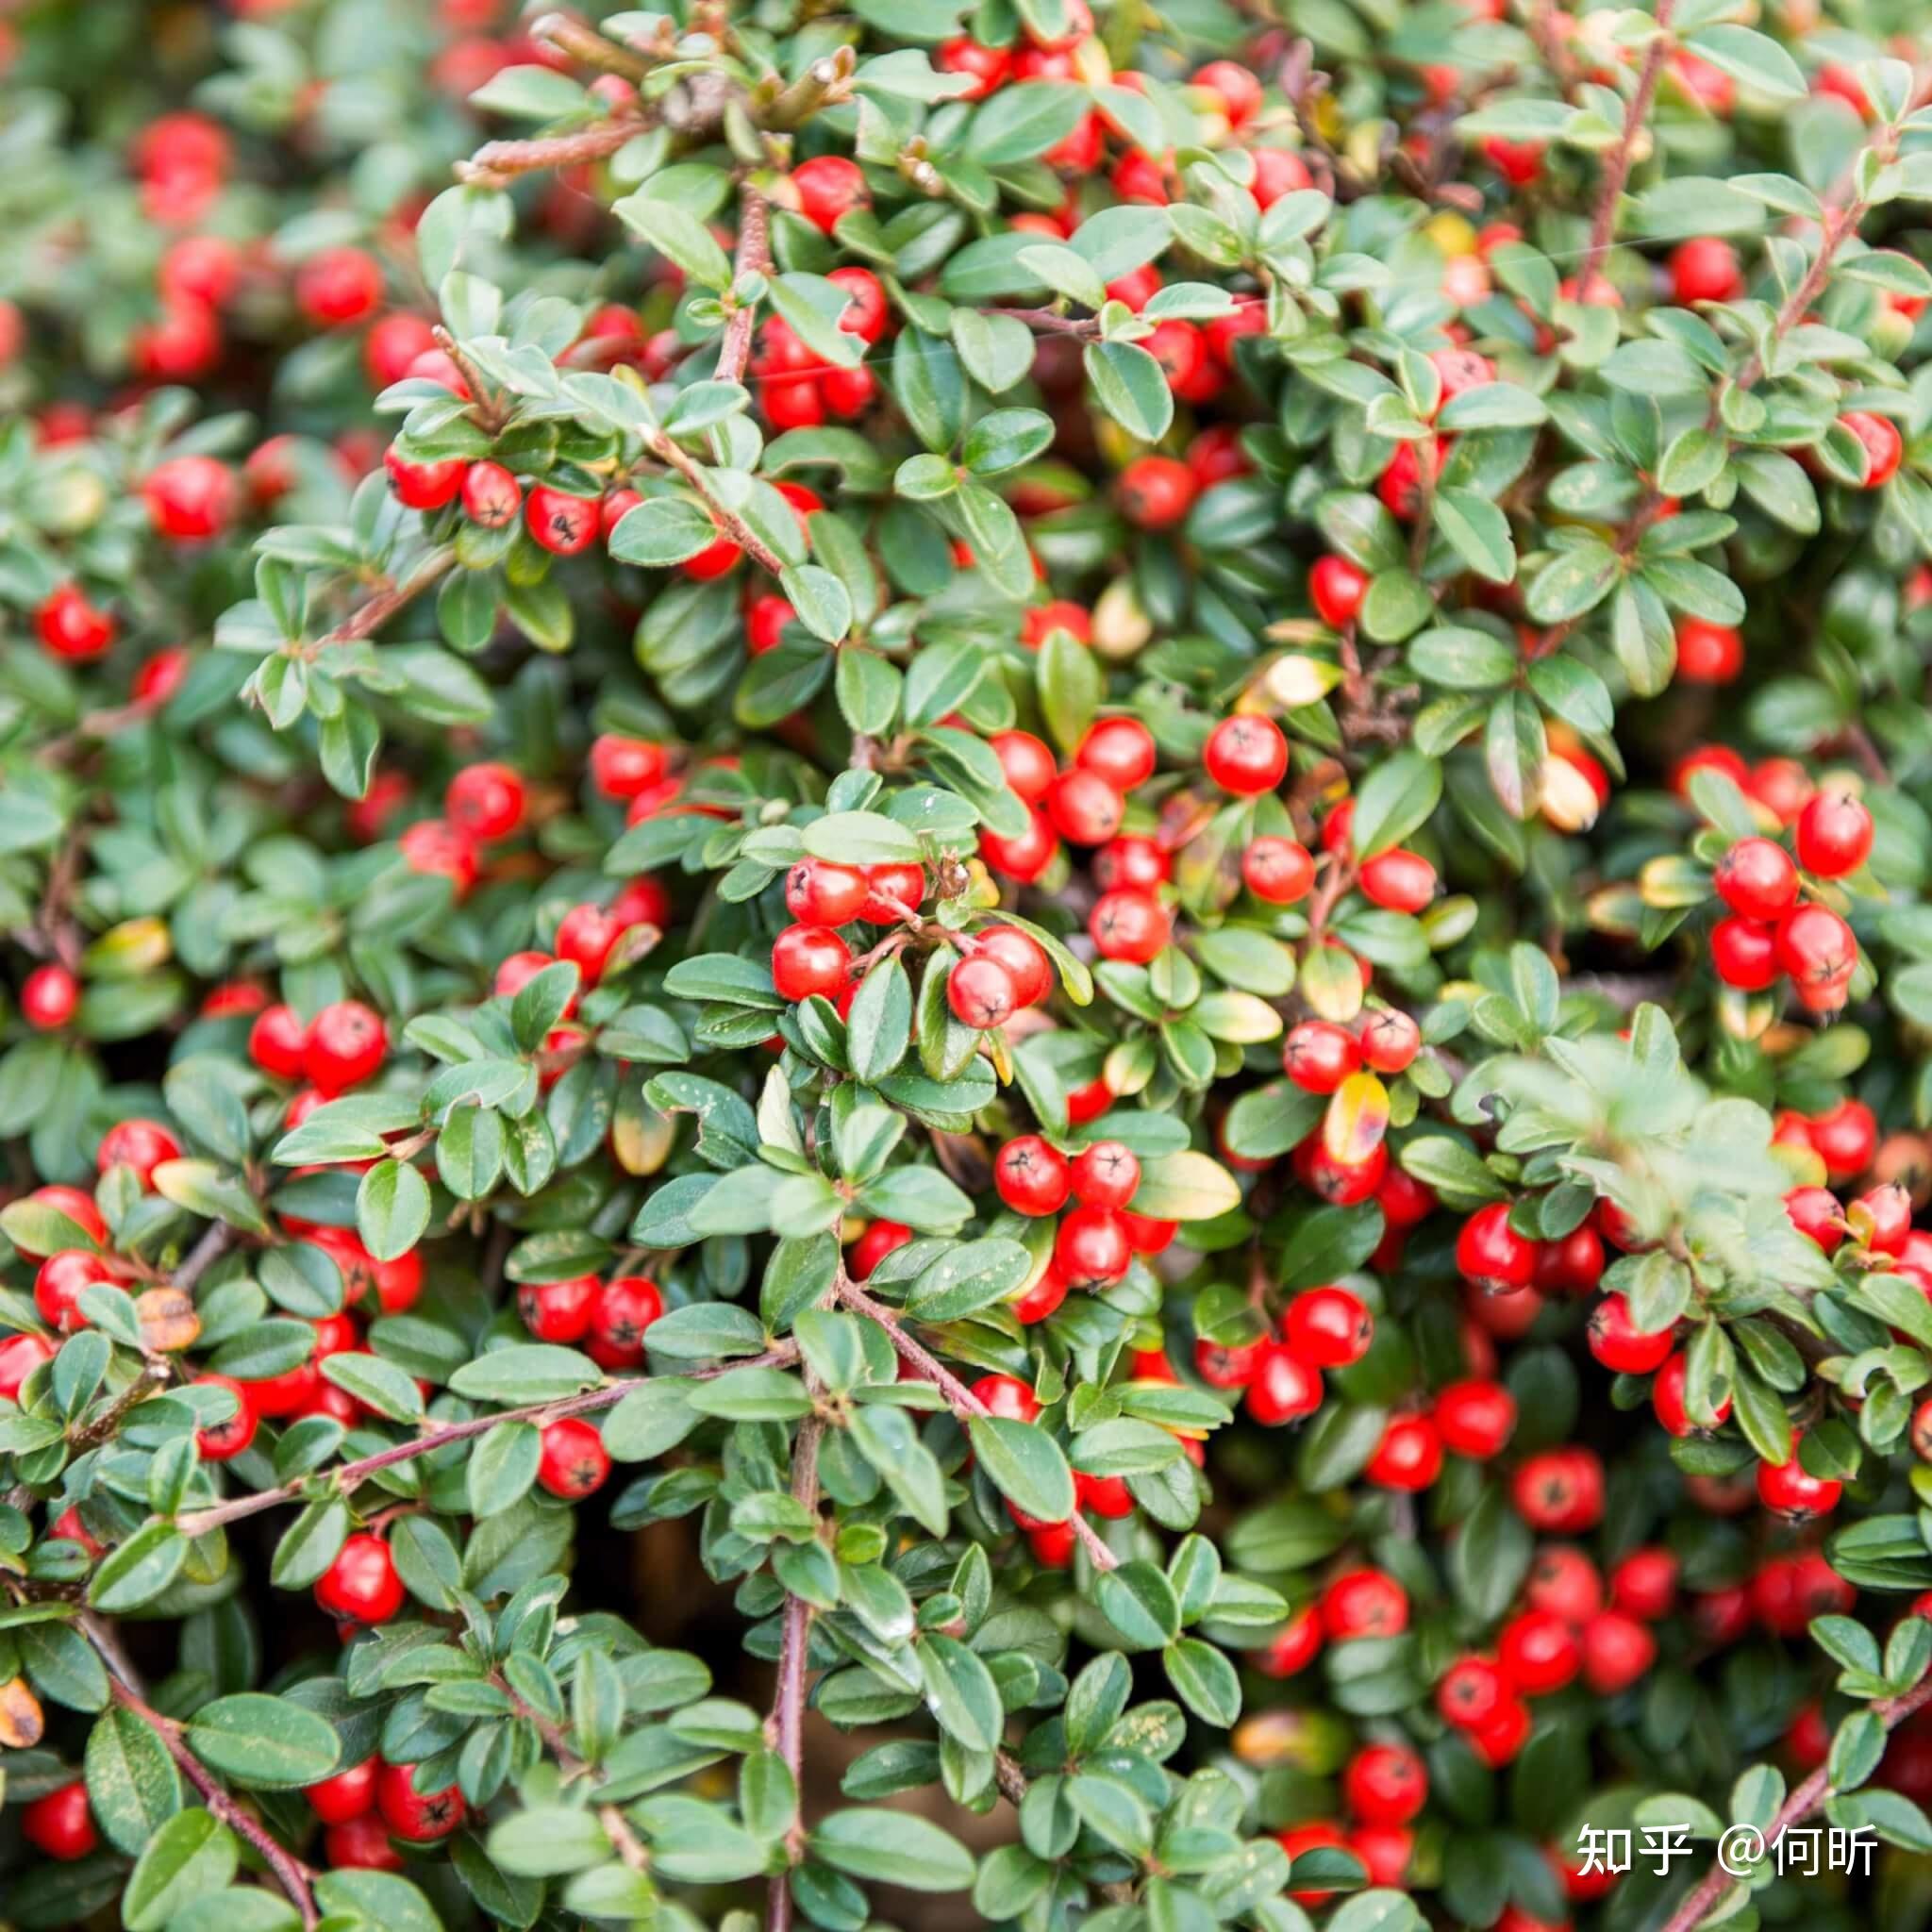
365	1806
799	388
608	1318
1770	931
1096	1241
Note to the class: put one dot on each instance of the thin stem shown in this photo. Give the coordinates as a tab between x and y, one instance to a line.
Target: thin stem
754	257
966	1406
497	163
291	1873
348	1474
1807	1798
1617	166
369	617
594	49
556	1741
1049	322
729	522
1838	224
786	1725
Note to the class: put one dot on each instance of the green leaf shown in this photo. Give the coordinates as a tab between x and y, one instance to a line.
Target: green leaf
132	1785
548	1839
678	236
1025	1464
1185	1187
191	1854
1128	383
391	1208
529	1372
879	1026
267	1744
1204	1680
136	1572
1397	796
893	1848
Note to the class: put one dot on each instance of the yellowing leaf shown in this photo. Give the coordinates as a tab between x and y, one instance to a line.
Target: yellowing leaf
1356	1120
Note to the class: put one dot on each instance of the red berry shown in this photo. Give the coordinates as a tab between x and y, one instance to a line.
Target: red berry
1337	588
1882	442
48	996
828	188
574	1460
1222	1367
1389	1040
624	1309
1845	1138
1027	763
1471	1692
1129	926
561	523
1790	1489
1105	1174
1645	1585
1756	879
492	496
19	1356
1834	834
874	1245
1007	1397
1293	1647
1318	1055
1156	492
1560	1490
1409	1454
60	1824
819	892
807	960
1398	881
1277	870
360	1844
585	936
1667	1398
361	1584
420	1818
1277	171
1031	1178
1708	652
347	1045
1120	750
218	1442
1564	1583
1705	270
1384	1784
72	627
1024	856
1023	956
892	892
1475	1419
336	286
140	1144
1085	808
558	1311
1364	1603
486	801
980	992
1617	1651
348	1795
987	67
1246	756
1491	1254
1328	1328
625	767
1619	1346
1091	1248
1282	1387
1538	1653
424	486
278	1042
1743	953
191	498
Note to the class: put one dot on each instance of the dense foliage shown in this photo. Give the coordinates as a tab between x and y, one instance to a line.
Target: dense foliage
1093	845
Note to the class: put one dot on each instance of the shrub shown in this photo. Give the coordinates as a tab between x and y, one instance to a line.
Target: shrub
980	812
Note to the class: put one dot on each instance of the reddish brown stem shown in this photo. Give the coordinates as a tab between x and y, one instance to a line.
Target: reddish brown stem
496	163
1807	1798
754	257
291	1873
347	1476
1617	165
369	617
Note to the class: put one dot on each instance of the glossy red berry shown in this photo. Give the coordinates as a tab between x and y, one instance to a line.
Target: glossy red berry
1277	870
348	1795
1085	808
486	801
558	1311
1471	1691
1028	765
1756	879
347	1045
1705	270
278	1042
72	627
360	1844
140	1144
1246	755
1882	443
1156	492
1091	1248
1790	1489
492	496
1227	1366
1398	881
1031	1177
1491	1254
1708	652
1475	1419
819	892
19	1356
1538	1653
425	486
1364	1603
361	1584
1384	1784
1743	953
1617	1651
828	188
1389	1040
573	1461
339	285
419	1817
191	499
1006	1397
59	1823
1645	1585
1318	1055
1617	1345
1409	1456
1845	1138
626	767
1120	750
807	960
1337	588
1129	926
1834	834
1328	1328
48	997
219	1441
980	992
892	892
1024	958
1282	1387
874	1245
1560	1490
561	523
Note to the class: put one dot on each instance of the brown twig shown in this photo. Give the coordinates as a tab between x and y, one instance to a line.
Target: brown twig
585	44
291	1873
965	1405
348	1474
728	522
1617	165
1050	322
786	1725
497	163
753	257
1807	1798
370	616
616	1825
